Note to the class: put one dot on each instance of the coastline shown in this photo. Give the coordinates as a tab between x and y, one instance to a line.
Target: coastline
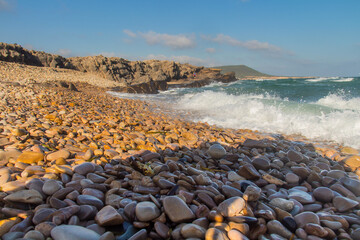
64	150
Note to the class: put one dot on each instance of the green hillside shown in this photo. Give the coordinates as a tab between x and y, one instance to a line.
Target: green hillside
242	71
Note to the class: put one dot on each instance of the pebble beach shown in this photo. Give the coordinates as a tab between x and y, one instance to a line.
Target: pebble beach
82	163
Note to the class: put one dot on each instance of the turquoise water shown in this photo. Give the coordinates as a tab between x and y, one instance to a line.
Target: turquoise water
325	109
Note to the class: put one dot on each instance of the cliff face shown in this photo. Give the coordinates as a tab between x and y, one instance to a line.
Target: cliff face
139	76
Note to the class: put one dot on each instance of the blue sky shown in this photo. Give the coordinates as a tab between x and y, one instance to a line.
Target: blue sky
280	37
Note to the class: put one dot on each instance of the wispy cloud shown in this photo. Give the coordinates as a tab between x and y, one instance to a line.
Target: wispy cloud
64	52
254	45
210	50
182	59
179	41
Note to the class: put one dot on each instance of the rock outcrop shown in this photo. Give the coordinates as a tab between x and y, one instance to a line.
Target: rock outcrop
147	76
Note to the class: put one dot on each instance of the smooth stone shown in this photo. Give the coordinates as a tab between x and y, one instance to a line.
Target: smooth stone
89	200
261	163
231	191
337	174
356	234
315	229
95	178
7	224
231	207
177	210
236	235
58	154
107	236
294	156
34	235
162	229
84	168
233	176
205	198
343	204
25	196
274	226
351	184
193	231
216	151
215	234
97	228
323	194
51	186
146	211
42	215
45	228
5	175
283	204
292	178
13	186
63	232
352	161
289	223
301	196
248	171
30	157
129	232
12	235
94	192
87	212
140	235
333	225
313	207
108	216
306	217
252	193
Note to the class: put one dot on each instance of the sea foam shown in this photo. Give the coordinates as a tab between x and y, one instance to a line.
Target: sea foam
332	118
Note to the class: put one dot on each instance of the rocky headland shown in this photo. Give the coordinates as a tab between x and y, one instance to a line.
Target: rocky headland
147	76
77	163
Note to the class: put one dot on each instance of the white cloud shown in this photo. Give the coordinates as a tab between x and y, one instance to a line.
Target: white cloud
129	33
64	52
179	41
251	45
210	50
181	59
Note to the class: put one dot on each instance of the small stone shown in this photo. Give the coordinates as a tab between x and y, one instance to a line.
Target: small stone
146	211
351	184
315	229
289	223
306	217
283	204
177	210
162	229
25	196
45	228
12	235
215	234
343	204
51	186
30	157
231	207
261	163
193	231
301	196
108	216
58	154
7	224
89	200
233	176
216	151
236	235
84	168
323	194
274	226
252	193
140	235
294	156
292	178
34	235
352	161
63	232
107	236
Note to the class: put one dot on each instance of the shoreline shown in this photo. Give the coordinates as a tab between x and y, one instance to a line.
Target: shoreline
81	161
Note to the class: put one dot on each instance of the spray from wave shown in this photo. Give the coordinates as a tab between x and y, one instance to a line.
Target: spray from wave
332	118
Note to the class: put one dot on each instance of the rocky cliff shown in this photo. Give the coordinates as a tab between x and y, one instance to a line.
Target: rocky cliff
137	76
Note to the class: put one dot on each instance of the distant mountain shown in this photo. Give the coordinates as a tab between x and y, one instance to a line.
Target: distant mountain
242	71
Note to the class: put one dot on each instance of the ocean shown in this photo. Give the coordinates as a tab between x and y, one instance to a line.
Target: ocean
320	109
